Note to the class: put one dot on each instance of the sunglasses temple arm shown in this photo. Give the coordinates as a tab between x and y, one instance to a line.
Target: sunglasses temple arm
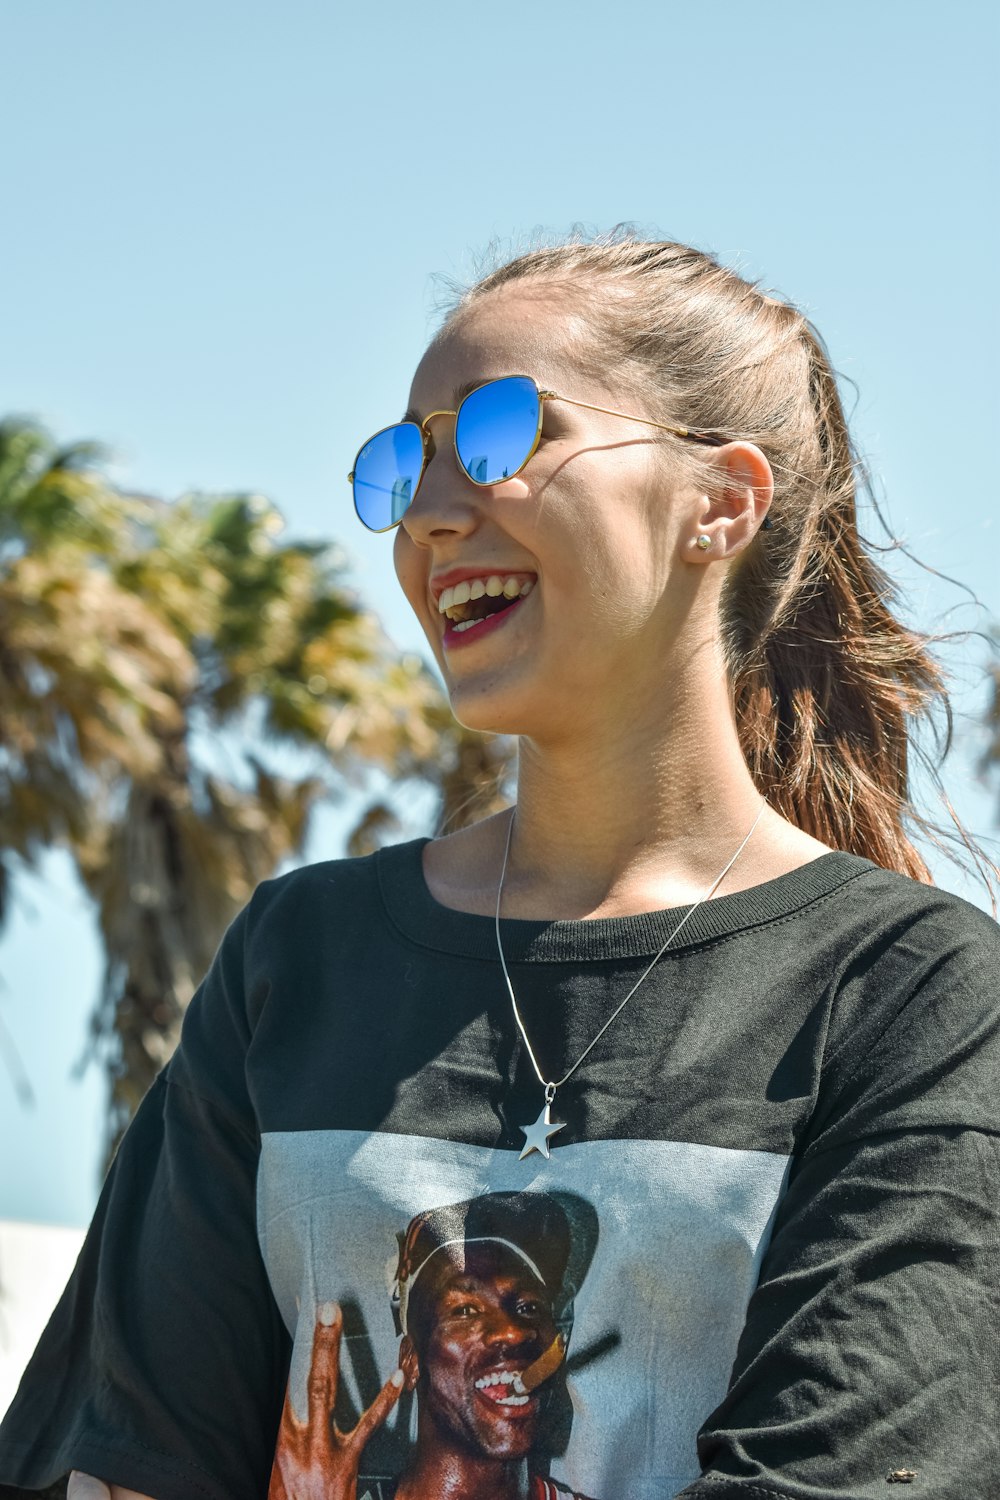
681	432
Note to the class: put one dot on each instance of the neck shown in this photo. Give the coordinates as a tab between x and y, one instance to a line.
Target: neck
440	1472
631	816
635	806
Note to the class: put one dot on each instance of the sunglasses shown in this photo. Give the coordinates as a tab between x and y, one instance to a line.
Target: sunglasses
497	428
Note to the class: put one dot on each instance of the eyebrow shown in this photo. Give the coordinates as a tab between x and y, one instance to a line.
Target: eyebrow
458	395
471	1285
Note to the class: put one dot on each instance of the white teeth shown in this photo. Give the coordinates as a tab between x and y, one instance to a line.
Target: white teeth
465	624
518	1396
474	588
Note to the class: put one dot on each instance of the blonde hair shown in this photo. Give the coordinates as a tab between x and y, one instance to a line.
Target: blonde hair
828	683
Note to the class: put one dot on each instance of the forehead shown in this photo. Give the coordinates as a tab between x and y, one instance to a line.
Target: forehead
520	330
482	1265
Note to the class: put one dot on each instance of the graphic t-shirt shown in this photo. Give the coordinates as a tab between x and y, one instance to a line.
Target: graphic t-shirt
759	1261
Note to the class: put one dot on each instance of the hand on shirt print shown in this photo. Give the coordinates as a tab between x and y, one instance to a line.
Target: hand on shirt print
313	1459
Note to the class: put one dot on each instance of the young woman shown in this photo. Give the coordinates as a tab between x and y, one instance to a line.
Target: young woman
638	1141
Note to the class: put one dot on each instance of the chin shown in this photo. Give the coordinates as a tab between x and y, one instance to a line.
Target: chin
489	711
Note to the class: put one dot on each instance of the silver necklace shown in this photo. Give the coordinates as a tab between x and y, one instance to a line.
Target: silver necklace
536	1136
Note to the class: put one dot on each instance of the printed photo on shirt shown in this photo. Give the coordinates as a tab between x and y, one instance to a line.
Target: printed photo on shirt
482	1303
530	1328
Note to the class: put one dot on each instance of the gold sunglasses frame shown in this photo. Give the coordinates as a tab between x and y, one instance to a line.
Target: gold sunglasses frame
429	447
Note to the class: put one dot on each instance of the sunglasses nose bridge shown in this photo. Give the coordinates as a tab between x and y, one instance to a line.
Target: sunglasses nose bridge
430	446
425	425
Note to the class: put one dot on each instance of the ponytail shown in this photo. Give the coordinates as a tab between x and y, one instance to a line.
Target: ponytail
828	684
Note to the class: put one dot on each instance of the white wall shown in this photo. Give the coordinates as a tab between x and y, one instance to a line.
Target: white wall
35	1263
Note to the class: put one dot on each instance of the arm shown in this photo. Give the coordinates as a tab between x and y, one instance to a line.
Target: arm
164	1365
869	1347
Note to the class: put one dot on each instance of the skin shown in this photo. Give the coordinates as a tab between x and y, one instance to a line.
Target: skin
314	1459
487	1314
632	789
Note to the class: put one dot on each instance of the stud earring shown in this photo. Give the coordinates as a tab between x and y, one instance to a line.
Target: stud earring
703	543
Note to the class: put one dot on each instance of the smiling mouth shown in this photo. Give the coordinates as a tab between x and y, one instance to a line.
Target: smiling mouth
503	1388
474	600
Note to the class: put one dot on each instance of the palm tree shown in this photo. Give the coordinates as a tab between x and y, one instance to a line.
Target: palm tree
89	675
164	667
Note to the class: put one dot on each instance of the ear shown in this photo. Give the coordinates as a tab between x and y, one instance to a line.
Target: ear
408	1362
733	514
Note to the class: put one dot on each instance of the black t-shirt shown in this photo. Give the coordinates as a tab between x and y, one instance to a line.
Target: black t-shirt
760	1261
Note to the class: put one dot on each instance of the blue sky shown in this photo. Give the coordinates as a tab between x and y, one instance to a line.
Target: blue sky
222	221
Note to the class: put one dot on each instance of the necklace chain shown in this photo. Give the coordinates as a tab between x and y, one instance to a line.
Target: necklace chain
551	1085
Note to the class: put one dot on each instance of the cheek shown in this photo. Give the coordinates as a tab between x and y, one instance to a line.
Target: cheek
406	561
609	578
444	1364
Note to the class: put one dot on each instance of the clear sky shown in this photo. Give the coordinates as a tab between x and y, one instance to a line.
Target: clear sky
221	223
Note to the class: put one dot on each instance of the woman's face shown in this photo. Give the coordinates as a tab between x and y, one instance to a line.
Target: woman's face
594	524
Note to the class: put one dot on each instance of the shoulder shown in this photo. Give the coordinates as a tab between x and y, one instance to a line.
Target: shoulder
915	948
332	886
914	1030
866	908
918	924
300	928
921	898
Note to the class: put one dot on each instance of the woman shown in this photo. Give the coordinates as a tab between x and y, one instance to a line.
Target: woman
681	1058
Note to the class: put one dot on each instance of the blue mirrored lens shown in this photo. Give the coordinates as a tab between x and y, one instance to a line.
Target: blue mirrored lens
496	428
386	475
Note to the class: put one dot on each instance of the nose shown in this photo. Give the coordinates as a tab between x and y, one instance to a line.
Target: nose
507	1331
445	502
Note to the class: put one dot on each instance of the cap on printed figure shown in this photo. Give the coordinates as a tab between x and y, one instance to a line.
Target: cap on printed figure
532	1228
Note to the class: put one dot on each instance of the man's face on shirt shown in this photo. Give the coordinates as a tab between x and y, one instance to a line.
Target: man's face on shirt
483	1321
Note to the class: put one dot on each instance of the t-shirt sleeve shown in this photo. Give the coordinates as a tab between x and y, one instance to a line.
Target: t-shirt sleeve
869	1356
163	1366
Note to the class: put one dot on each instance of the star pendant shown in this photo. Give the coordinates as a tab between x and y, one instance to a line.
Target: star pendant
536	1137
